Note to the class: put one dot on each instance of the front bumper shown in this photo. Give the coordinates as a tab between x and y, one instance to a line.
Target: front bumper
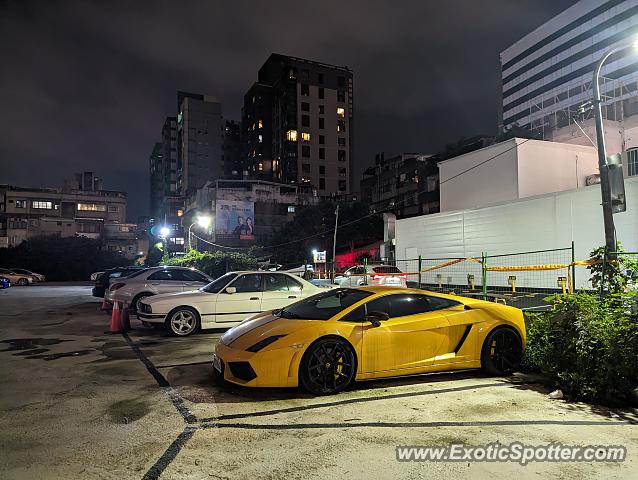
267	368
151	317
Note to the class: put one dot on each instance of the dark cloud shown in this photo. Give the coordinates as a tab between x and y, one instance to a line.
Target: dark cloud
85	85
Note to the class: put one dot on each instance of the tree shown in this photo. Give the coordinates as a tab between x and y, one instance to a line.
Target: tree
291	243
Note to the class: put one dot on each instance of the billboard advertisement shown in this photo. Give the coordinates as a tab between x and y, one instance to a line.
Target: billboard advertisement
234	219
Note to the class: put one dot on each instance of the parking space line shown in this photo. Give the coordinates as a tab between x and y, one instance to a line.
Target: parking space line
207	362
305	426
356	400
169	455
171	393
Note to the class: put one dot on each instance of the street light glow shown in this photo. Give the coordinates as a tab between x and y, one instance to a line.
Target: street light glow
204	221
165	231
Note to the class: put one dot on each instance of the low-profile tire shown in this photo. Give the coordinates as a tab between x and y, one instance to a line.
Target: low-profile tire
137	299
23	282
502	352
182	321
328	366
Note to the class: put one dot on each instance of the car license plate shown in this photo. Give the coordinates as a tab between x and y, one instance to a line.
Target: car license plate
217	364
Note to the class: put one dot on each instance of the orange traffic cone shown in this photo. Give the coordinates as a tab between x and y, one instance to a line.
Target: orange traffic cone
125	320
105	305
116	325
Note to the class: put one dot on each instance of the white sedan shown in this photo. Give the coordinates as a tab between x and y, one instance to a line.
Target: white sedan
225	302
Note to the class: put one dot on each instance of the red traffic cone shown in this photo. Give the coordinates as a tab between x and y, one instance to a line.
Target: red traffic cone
116	325
125	320
105	305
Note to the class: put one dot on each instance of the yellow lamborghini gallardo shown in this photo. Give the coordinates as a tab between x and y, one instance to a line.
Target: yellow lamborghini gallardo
326	341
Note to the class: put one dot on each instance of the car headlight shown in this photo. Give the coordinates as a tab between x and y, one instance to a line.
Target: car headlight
264	343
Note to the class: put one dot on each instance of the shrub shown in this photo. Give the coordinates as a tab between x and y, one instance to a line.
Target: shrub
215	264
587	345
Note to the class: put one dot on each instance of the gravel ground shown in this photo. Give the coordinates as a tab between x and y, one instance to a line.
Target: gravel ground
80	403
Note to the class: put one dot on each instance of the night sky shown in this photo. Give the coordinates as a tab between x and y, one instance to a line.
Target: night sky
86	85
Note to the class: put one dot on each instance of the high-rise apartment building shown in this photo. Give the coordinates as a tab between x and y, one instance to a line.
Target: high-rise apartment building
297	124
200	132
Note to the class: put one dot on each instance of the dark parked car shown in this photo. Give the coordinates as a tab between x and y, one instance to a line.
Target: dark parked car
4	282
102	282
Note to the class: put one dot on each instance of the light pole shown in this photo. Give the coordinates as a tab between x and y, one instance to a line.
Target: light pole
610	231
334	244
203	221
164	233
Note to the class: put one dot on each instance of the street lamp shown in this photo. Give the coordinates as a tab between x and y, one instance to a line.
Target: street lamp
204	222
165	232
610	232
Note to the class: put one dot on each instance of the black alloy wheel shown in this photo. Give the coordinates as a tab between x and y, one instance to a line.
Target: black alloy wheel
502	352
328	366
23	281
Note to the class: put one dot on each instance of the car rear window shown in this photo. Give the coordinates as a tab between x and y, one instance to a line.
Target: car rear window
386	269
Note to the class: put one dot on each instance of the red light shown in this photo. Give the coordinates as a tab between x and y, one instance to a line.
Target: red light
378	277
403	275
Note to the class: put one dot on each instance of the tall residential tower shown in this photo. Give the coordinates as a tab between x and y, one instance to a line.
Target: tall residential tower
297	124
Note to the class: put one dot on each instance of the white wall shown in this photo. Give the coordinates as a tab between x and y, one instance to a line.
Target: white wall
538	223
493	182
547	167
514	169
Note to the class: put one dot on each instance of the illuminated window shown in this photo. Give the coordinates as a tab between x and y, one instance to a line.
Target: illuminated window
41	204
632	162
341	126
261	139
21	204
179	241
180	212
261	167
305	179
291	135
260	123
291	209
91	207
253	126
275	164
341	112
305	136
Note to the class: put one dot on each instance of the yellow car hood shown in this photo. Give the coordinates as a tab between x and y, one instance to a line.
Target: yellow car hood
252	331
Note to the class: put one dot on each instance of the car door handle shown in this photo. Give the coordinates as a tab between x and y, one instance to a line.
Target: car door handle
157	283
292	296
254	298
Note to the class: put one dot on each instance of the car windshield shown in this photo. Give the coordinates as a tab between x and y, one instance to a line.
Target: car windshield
324	305
216	285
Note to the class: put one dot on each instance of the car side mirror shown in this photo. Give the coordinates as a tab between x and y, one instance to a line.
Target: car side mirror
231	290
375	318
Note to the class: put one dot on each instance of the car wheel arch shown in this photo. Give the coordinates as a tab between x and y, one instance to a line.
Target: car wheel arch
137	297
332	336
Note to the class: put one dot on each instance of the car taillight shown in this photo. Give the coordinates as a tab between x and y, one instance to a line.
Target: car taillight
115	286
378	277
403	276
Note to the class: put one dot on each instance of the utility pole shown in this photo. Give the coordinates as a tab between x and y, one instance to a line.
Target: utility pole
334	244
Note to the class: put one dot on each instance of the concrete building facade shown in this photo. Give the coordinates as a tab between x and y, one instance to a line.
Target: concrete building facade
80	208
200	132
406	184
